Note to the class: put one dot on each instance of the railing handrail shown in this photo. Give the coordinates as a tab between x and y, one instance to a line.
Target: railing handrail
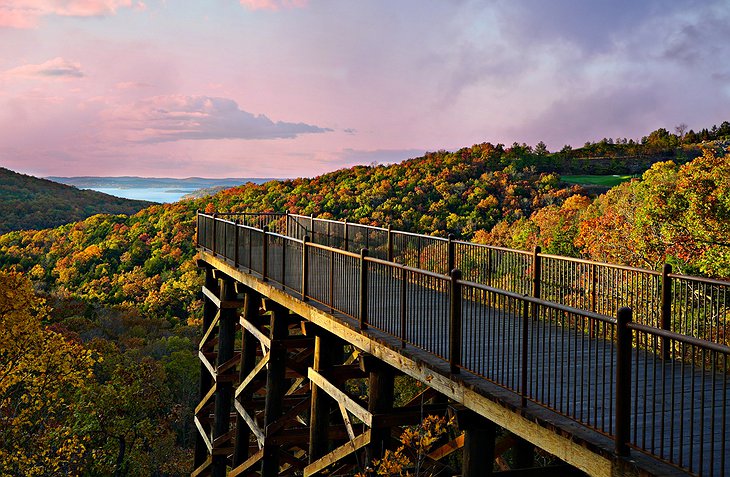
400	266
601	264
686	339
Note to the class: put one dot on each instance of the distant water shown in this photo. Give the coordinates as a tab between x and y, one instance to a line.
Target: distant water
153	194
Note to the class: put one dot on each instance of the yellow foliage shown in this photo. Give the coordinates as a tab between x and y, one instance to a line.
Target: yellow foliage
39	371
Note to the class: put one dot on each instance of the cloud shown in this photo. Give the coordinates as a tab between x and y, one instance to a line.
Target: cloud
179	117
55	68
273	4
26	13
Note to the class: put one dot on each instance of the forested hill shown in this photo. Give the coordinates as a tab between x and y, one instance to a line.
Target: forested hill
27	202
125	288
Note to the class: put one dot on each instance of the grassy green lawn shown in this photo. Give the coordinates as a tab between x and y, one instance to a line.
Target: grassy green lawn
609	181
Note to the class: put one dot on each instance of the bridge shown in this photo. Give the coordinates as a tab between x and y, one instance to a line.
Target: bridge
308	322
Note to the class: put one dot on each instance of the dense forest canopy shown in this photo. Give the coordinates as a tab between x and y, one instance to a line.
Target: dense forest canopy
27	202
115	301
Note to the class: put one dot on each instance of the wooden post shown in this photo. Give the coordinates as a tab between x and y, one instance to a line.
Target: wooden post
524	453
206	380
305	268
224	391
248	362
666	311
622	413
478	456
276	385
325	353
363	289
455	322
380	401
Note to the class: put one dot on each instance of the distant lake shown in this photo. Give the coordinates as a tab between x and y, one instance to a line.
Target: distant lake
153	194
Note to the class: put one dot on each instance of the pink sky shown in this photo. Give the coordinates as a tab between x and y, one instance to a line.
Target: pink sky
285	88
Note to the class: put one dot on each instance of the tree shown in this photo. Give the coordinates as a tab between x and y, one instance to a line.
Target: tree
41	374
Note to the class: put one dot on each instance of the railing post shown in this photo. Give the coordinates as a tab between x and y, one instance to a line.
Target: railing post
451	255
197	228
346	246
286	225
265	254
235	243
524	348
536	272
215	221
489	267
363	289
666	311
624	337
455	322
305	268
283	263
594	288
390	243
403	293
311	228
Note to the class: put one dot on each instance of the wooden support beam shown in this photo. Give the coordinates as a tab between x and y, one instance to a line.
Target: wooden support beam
447	449
221	303
251	423
202	468
213	328
206	400
287	417
341	452
346	420
249	348
253	374
248	464
202	433
256	332
207	365
207	372
350	404
478	452
403	416
224	379
380	401
276	384
524	454
326	347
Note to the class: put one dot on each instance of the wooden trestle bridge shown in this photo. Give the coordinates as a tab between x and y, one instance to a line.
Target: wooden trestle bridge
612	370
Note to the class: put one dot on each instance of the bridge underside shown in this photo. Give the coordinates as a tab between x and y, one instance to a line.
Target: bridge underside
291	388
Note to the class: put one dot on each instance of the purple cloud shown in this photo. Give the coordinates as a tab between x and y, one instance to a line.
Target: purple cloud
180	117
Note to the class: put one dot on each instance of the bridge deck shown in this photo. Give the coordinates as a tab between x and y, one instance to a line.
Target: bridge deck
547	363
568	371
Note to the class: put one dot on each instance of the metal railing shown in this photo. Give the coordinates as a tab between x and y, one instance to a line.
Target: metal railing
657	391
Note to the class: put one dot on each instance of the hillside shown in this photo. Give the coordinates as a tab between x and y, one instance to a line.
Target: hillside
126	287
27	202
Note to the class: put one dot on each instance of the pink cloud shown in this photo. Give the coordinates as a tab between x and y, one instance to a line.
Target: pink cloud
57	68
179	117
273	4
26	13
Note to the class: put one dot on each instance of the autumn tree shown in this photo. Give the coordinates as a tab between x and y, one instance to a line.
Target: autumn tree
41	374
